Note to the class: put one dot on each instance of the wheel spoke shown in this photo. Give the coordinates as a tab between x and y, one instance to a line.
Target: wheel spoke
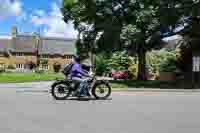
102	90
61	91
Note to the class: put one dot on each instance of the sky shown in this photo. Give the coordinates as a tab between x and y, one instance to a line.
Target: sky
34	16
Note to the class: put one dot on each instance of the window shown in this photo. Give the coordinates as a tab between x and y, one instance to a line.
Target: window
45	56
45	67
2	65
19	54
69	57
20	66
196	64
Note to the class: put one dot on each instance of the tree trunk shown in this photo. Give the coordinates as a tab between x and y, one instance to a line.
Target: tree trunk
141	64
188	70
37	53
93	61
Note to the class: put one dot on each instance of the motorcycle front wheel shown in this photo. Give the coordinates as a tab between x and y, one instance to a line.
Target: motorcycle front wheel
60	91
101	91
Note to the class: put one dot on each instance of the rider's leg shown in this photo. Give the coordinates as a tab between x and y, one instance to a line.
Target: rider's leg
82	84
83	87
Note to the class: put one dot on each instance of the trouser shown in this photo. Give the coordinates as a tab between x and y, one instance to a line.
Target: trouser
83	85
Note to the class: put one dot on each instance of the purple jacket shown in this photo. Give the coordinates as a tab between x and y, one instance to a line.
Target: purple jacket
77	71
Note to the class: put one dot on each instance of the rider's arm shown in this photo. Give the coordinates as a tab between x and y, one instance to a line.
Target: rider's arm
78	69
85	71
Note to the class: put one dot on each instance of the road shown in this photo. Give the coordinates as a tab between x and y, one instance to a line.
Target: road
139	112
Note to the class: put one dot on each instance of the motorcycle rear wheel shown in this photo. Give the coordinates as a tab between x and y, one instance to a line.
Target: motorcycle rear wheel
61	89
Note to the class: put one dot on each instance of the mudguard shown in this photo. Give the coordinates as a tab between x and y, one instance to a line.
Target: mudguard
59	82
102	82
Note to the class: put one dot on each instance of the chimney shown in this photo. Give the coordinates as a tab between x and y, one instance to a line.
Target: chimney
14	31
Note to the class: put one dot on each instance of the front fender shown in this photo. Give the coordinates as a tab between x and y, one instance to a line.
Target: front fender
102	82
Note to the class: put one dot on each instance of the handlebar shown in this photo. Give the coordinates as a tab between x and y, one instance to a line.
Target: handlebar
91	79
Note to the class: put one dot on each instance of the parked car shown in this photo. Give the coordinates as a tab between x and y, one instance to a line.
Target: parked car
120	75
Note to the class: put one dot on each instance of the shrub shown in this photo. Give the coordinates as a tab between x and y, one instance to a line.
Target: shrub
149	68
133	70
102	65
156	57
10	67
44	61
120	61
56	67
2	70
31	65
39	71
168	65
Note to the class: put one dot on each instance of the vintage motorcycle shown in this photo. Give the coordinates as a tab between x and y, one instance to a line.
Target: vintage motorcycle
62	89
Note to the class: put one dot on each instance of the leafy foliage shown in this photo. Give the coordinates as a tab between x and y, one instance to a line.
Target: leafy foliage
104	25
39	71
162	60
172	11
168	65
10	67
44	61
120	61
2	70
102	64
56	67
133	70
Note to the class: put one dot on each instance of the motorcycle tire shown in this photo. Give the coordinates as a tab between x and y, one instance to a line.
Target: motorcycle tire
53	91
94	91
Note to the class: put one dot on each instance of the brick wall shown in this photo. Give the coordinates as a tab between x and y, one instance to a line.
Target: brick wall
4	60
59	60
24	59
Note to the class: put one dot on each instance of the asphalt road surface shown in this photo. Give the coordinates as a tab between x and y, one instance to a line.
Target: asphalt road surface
133	112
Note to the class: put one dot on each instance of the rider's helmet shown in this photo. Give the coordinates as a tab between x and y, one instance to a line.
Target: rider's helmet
77	59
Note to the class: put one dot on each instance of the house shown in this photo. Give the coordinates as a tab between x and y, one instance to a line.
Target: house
5	42
56	51
24	51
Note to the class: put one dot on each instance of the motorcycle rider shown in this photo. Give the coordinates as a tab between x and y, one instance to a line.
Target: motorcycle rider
80	75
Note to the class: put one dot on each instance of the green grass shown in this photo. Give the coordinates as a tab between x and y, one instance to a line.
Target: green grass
28	77
17	77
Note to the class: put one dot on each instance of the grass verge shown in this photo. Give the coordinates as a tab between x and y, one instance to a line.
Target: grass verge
28	77
18	77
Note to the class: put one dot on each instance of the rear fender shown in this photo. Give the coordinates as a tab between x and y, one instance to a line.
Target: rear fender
60	82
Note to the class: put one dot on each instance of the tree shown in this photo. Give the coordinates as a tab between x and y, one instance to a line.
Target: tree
173	11
120	61
181	9
82	14
110	17
37	44
140	33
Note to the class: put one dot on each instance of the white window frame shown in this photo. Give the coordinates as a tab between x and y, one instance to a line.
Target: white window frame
20	66
45	67
44	56
196	63
69	57
2	65
19	54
